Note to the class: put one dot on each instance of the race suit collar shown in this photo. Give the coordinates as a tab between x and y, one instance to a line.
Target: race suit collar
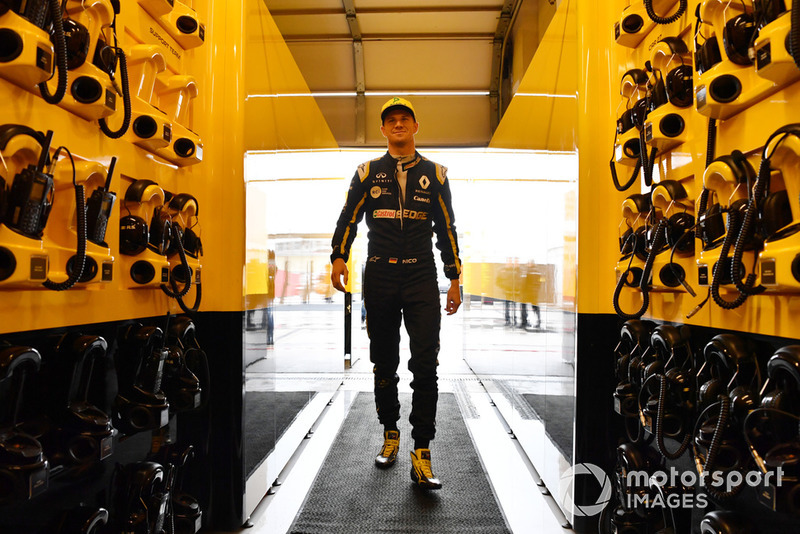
406	161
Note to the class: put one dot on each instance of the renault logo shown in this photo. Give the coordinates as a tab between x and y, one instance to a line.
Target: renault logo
424	182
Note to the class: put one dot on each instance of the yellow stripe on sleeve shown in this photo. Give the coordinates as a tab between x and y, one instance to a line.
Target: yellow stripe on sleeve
352	221
450	234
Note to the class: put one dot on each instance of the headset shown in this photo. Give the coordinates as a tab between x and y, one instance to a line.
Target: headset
775	215
678	81
192	244
775	218
711	223
632	490
24	468
669	387
183	333
738	233
772	435
86	436
88	433
633	345
708	54
738	37
731	380
140	404
631	117
135	235
184	511
635	241
680	222
141	494
658	239
181	385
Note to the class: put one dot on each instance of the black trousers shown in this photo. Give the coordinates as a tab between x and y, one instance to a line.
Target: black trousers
407	291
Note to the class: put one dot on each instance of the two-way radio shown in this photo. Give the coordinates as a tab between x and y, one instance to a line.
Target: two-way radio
31	196
98	209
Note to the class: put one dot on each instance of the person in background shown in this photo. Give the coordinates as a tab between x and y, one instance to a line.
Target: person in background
406	200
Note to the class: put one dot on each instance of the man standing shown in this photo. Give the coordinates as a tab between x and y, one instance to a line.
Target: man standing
406	198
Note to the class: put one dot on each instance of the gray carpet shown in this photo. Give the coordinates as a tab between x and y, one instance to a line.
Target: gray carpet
352	496
557	414
267	416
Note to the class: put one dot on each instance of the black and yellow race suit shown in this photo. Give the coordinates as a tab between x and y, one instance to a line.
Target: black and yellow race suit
400	275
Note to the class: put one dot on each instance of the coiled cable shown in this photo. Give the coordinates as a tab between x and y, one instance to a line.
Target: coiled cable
644	283
60	47
80	254
659	428
651	12
734	224
126	101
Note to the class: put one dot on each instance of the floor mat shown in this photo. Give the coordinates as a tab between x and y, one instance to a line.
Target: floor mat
267	416
352	496
557	412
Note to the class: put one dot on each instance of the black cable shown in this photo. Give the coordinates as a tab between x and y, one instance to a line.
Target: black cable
747	232
60	47
794	33
659	428
682	279
644	283
734	224
714	447
174	293
126	101
197	298
632	179
651	12
646	161
80	254
711	147
612	163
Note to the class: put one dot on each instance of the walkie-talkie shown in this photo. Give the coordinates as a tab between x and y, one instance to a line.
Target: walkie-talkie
30	198
98	209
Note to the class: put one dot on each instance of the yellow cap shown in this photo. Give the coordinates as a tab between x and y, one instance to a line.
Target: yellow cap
397	102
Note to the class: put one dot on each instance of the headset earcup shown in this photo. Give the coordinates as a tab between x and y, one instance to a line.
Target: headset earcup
708	55
736	37
679	86
133	235
776	213
679	224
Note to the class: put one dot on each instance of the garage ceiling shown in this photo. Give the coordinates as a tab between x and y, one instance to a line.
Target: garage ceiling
454	59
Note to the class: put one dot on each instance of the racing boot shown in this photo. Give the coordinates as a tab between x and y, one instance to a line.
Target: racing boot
388	454
421	472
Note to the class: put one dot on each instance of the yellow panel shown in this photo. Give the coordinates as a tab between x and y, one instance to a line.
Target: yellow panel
543	113
337	57
276	123
329	25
